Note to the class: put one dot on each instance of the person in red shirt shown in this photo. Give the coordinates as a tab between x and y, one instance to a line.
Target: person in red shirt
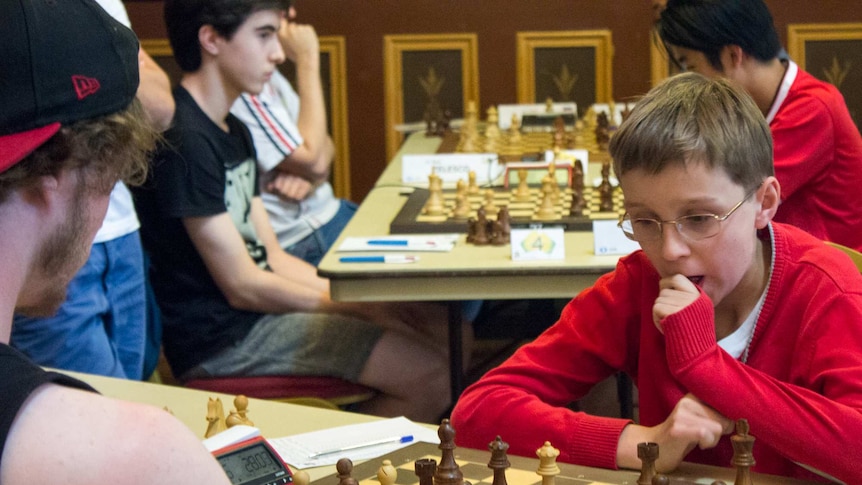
818	149
722	314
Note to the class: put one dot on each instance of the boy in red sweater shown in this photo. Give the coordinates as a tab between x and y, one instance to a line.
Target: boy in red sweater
722	315
817	147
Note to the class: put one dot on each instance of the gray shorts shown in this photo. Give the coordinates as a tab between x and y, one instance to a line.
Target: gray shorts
316	344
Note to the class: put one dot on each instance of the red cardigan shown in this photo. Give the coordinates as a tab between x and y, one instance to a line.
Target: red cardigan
818	162
801	389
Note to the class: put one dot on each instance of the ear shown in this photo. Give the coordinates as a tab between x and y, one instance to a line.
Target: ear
731	57
768	196
209	39
42	193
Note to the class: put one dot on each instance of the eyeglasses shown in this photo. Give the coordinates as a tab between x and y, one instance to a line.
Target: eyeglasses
693	227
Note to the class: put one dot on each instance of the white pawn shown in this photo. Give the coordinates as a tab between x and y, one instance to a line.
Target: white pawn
387	474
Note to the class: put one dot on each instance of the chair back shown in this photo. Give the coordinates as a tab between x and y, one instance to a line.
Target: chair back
855	255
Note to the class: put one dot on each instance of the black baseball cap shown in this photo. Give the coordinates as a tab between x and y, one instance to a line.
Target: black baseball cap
61	61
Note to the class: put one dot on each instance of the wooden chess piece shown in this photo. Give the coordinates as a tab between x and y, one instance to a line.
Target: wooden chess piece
522	193
434	206
344	467
548	468
471	229
578	204
387	474
578	174
240	402
547	210
606	190
233	419
743	458
215	418
492	128
648	454
480	234
499	461
448	472
300	477
505	222
660	479
496	234
472	186
424	469
490	205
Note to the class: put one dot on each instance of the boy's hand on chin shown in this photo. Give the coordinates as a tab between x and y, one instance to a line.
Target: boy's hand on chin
675	293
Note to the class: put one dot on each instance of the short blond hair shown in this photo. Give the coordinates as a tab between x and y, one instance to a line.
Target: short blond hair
689	117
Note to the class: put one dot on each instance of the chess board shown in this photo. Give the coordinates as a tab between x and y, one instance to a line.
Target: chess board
531	147
474	466
410	219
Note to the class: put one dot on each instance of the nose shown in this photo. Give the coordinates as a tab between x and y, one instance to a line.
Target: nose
673	245
291	12
277	56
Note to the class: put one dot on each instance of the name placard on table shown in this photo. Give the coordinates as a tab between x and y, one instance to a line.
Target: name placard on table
451	167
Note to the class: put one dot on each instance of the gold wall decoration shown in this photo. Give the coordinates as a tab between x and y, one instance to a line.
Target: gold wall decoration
424	76
565	66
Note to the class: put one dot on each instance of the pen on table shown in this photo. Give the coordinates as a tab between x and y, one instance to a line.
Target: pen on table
384	441
389	258
398	242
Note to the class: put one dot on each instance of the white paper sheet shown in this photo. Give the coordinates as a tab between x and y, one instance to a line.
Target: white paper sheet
297	450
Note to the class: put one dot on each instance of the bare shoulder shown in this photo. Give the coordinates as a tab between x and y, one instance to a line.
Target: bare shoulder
87	438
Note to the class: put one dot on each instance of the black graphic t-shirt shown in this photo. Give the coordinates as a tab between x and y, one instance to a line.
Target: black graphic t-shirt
199	171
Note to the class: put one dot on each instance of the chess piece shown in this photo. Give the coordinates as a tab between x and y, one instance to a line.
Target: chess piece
240	402
549	105
522	193
743	459
606	190
492	128
471	230
424	469
480	234
515	131
496	234
660	479
448	472
435	205
578	204
233	419
344	467
578	174
490	206
499	461
548	468
462	203
472	186
215	418
547	210
300	477
387	474
505	222
648	454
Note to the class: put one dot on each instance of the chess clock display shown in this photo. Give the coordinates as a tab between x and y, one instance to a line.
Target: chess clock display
253	462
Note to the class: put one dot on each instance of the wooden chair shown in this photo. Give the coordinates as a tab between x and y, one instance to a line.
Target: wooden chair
855	255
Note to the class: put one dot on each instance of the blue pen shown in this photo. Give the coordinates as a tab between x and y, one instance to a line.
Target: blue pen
384	441
389	258
388	242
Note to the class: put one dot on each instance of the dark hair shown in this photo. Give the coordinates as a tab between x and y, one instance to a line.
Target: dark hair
709	25
689	118
184	19
107	149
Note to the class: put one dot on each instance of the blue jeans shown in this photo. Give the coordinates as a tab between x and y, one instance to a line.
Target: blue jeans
101	327
315	245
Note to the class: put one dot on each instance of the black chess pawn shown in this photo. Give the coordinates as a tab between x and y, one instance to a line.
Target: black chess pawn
344	467
648	454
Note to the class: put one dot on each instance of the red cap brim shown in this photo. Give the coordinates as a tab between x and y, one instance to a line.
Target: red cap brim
13	148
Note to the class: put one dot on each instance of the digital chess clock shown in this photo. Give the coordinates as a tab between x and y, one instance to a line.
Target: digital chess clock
253	462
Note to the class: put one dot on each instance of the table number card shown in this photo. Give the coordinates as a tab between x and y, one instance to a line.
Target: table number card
609	239
537	243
